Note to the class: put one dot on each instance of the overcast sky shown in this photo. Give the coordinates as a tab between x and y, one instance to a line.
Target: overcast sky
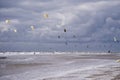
86	22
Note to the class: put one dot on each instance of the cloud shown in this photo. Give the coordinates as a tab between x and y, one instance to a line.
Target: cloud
89	21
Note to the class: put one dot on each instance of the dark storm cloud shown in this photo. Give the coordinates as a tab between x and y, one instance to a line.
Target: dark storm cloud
88	20
8	3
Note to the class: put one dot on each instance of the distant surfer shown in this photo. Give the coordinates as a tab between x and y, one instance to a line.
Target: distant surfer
109	51
34	53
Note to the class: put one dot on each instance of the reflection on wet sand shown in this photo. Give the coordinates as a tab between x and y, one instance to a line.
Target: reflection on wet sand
60	66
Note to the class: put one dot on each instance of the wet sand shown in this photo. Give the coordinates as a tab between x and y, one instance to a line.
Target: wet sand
60	67
116	77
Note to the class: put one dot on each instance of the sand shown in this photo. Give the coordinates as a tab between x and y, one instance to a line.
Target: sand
60	67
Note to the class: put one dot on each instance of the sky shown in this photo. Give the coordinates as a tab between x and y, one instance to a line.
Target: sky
91	25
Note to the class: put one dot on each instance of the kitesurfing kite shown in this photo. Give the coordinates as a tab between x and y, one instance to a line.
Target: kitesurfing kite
115	39
58	36
32	27
118	60
64	30
7	21
74	36
45	15
15	30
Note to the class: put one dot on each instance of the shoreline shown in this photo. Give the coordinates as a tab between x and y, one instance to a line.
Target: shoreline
59	66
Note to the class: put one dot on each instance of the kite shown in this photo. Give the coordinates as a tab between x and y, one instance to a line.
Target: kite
58	36
32	27
7	21
15	30
64	30
87	46
74	36
118	60
115	39
66	43
45	15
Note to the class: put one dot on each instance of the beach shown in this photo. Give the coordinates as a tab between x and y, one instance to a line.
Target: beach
60	66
